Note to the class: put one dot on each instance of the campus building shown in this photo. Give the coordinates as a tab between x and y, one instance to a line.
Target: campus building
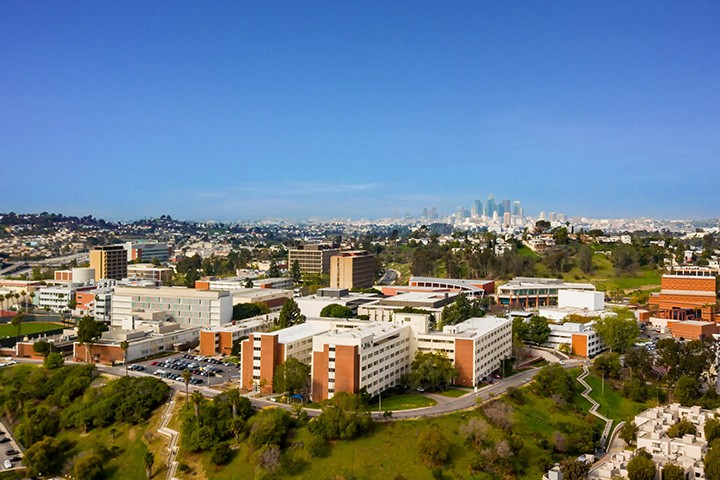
185	305
686	296
220	340
526	292
581	338
145	340
471	288
312	258
109	261
148	271
352	269
148	251
232	284
383	309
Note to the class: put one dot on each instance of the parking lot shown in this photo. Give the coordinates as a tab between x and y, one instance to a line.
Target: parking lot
206	371
10	456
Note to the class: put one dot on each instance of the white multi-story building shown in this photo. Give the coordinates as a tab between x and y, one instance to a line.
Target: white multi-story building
186	306
653	424
371	357
56	299
582	339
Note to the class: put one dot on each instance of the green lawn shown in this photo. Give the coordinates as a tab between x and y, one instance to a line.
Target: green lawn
612	403
455	392
403	401
30	328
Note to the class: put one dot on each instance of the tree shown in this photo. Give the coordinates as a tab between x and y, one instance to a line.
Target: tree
475	432
221	454
608	365
291	376
538	330
673	472
17	323
124	345
687	390
462	309
88	331
45	456
89	467
584	258
54	360
682	428
335	310
290	315
186	376
618	331
42	348
345	416
269	427
241	407
628	433
574	469
249	283
197	399
553	379
295	272
433	447
641	467
712	430
639	361
712	462
241	311
273	271
149	461
432	370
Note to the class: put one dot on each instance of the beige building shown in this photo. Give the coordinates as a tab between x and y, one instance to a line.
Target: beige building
352	269
109	261
186	306
312	258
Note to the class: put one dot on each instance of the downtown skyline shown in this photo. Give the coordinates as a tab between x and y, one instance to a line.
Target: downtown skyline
232	112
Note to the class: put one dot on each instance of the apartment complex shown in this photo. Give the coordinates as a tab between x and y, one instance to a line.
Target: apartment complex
186	306
686	296
109	261
527	292
312	258
352	269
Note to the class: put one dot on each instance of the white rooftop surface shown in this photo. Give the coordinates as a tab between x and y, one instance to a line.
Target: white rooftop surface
420	296
258	292
243	324
297	332
457	281
376	329
478	326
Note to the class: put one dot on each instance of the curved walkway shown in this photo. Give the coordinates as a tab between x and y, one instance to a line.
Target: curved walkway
595	406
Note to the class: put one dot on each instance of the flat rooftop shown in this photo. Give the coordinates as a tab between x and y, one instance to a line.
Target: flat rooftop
479	326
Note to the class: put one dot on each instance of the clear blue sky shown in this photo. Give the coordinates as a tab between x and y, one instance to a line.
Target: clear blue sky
243	110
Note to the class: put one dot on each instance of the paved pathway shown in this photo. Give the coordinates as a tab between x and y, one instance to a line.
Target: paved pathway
173	435
595	406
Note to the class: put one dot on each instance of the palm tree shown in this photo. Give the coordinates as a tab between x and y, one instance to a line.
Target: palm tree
24	297
17	323
124	345
17	299
234	397
8	297
149	460
32	297
197	398
186	376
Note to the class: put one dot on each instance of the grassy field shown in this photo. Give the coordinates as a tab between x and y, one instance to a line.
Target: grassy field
612	403
455	392
403	401
30	328
391	448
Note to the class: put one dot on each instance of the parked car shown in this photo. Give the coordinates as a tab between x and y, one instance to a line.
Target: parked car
11	452
7	464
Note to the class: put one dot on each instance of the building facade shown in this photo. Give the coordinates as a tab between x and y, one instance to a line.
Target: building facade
526	292
686	296
185	305
352	269
148	251
109	261
312	258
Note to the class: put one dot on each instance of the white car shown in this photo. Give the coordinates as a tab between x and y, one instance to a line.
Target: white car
7	464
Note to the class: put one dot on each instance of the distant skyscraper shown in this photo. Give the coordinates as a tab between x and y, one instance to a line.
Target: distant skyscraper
506	206
542	215
425	213
517	209
491	207
479	208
